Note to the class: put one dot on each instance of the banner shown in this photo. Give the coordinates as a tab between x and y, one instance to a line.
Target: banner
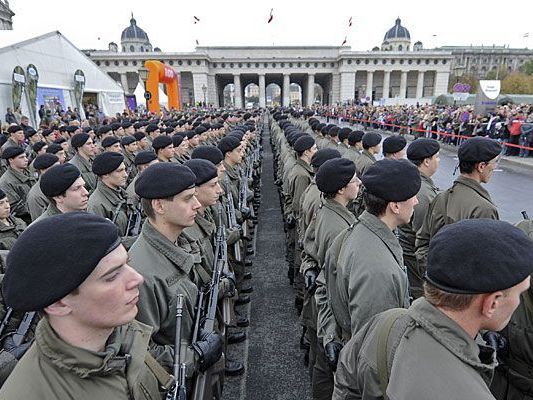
31	90
79	87
19	80
486	97
51	98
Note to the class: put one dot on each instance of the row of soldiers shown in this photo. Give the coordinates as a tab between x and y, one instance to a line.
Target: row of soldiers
395	281
130	288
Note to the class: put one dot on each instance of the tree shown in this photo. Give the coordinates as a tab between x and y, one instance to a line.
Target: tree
527	68
517	83
467	79
500	73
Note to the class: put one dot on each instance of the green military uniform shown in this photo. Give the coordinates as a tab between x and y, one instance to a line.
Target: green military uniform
429	357
52	369
352	154
466	199
37	201
87	174
131	169
17	185
110	204
130	192
10	233
365	274
362	163
407	234
167	270
50	211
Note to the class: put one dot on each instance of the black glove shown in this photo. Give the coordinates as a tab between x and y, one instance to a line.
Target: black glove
291	221
498	342
16	351
209	348
332	351
310	280
246	212
230	276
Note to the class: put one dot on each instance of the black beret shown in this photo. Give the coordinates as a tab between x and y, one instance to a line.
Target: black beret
62	128
144	157
58	179
161	142
60	140
204	170
333	131
43	161
115	126
72	128
470	257
190	134
392	180
12	151
137	125
2	194
323	155
107	162
38	146
126	125
355	137
139	136
54	148
163	180
200	129
88	129
47	132
48	272
479	149
110	141
30	132
325	129
394	144
210	153
127	140
151	128
104	129
228	143
303	143
334	174
79	139
177	139
14	128
422	148
344	133
371	139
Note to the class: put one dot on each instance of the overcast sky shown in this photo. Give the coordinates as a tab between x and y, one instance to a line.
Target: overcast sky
92	24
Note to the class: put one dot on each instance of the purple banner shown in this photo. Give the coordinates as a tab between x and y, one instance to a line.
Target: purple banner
131	102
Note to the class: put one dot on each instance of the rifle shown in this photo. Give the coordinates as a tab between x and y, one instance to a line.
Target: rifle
5	321
134	220
230	210
179	391
222	254
20	335
524	214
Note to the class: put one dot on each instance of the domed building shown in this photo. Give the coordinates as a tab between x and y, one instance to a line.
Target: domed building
397	38
134	39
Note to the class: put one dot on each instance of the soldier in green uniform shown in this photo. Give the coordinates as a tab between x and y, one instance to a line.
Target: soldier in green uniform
143	160
366	259
112	144
371	146
394	147
10	227
433	349
65	189
164	148
16	137
167	196
85	150
16	182
88	345
353	152
424	153
466	199
129	150
36	200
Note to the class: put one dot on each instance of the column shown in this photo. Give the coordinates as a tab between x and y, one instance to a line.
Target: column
347	89
386	84
262	91
369	82
212	90
310	90
238	91
286	89
420	85
124	82
403	85
441	83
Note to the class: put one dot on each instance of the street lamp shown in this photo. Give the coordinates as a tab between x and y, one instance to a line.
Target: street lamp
143	75
204	89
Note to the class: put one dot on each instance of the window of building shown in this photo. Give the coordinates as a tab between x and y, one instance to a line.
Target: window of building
290	65
180	62
142	48
393	61
189	62
349	61
198	62
125	63
367	61
409	61
400	47
231	65
332	65
375	61
427	62
282	65
316	65
134	62
256	65
107	63
384	61
358	62
273	65
401	61
132	49
299	65
171	62
223	65
444	61
98	63
307	65
248	65
418	61
435	62
265	65
324	65
215	65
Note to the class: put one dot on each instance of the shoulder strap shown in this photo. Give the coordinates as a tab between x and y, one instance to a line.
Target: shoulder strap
384	330
163	377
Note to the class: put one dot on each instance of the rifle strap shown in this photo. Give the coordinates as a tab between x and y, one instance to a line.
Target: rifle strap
166	380
384	330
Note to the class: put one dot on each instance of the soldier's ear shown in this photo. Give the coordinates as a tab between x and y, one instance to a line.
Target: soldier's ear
58	309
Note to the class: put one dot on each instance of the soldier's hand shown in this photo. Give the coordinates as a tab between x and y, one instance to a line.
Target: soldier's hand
228	284
246	212
498	342
291	221
332	351
310	280
209	349
16	351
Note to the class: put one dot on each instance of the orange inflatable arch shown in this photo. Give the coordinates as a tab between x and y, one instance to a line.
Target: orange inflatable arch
161	73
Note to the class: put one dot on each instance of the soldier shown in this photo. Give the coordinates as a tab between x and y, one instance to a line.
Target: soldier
164	148
466	199
16	182
371	146
343	140
353	152
88	345
129	149
367	259
167	196
65	188
424	153
142	141
394	147
432	350
143	160
112	143
85	150
152	131
37	202
16	137
10	227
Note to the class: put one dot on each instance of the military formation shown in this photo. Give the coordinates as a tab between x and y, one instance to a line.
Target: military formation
404	291
126	251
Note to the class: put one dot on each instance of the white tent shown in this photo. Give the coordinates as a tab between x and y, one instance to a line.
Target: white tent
56	60
139	95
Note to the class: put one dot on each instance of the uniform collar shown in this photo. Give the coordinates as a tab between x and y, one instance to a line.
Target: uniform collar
474	185
339	209
114	196
381	230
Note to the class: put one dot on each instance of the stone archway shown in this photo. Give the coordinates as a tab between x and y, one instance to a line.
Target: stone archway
251	95
295	94
318	96
273	95
228	95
